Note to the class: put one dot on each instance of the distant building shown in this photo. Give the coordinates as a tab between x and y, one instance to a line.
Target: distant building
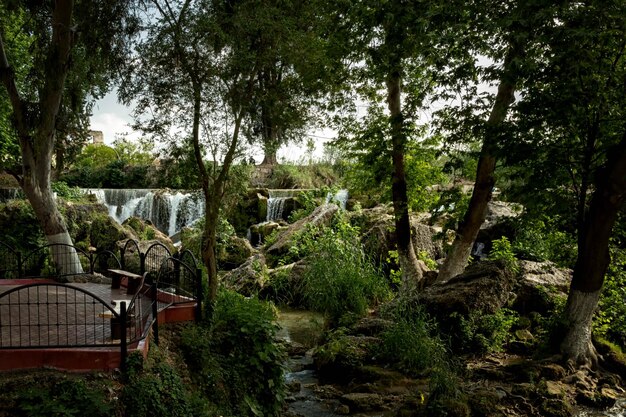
97	137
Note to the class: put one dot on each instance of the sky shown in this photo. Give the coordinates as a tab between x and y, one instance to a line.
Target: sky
113	118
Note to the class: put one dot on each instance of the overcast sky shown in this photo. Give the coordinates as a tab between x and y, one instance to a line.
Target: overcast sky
113	118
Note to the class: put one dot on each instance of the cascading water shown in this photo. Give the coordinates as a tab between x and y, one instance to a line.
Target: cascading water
7	194
169	211
340	197
276	203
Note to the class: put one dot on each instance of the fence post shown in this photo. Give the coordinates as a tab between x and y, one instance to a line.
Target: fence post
155	313
122	257
142	263
199	295
123	341
20	273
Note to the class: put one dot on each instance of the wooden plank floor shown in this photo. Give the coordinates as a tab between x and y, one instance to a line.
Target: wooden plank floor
56	316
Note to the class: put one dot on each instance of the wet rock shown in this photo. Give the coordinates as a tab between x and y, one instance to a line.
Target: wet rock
360	401
539	285
484	286
249	278
294	386
342	410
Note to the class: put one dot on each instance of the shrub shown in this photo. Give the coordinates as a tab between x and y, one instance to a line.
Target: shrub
157	392
541	239
340	279
412	343
235	359
501	250
610	321
65	191
67	397
482	333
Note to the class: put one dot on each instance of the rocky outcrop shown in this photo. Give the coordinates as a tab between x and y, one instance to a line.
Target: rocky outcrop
285	285
379	238
322	215
249	278
484	286
539	285
251	209
234	253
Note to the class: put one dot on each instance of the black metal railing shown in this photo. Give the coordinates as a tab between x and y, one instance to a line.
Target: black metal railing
178	283
54	260
51	315
55	315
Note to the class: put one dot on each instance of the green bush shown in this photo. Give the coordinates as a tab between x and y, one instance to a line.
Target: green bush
65	191
236	360
482	333
610	321
69	397
341	281
501	250
159	391
541	239
412	343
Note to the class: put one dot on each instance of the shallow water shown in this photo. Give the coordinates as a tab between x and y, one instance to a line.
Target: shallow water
618	410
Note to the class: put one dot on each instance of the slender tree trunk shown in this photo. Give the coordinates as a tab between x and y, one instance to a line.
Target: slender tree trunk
593	257
209	247
412	274
459	253
37	139
36	185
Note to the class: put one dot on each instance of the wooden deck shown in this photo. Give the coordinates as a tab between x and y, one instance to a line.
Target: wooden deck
56	326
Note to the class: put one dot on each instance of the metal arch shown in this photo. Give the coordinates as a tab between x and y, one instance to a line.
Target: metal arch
12	261
183	255
137	254
41	250
154	247
100	254
56	284
176	266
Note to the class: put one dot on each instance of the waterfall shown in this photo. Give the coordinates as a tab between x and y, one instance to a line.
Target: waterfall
276	203
168	211
340	197
7	194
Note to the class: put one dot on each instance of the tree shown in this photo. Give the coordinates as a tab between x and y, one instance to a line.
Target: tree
398	46
573	115
56	30
195	75
509	32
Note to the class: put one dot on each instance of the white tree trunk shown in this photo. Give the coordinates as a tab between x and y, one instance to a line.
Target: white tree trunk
65	258
456	261
577	345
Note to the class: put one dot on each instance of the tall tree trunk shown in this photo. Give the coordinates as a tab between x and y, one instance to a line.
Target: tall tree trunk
459	253
37	139
593	257
209	247
412	274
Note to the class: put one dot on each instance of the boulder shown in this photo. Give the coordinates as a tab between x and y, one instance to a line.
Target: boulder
259	232
249	210
378	225
362	401
539	285
285	284
249	278
322	215
144	231
484	286
234	253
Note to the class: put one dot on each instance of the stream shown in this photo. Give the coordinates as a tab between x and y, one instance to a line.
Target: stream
306	398
302	328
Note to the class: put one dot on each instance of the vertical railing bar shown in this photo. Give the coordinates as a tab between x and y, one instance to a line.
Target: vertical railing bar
123	347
